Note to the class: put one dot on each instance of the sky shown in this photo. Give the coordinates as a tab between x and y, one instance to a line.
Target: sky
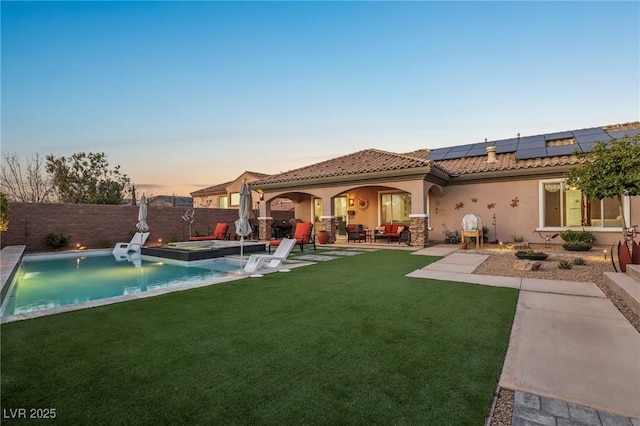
185	95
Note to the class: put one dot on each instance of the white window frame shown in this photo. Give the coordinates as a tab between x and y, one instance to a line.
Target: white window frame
380	193
626	211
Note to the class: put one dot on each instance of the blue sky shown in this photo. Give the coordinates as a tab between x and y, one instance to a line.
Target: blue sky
184	95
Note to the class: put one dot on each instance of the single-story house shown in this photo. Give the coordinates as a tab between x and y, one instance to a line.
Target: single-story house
227	195
515	185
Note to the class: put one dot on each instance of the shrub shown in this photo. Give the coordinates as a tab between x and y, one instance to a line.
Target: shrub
565	264
103	244
517	238
452	237
579	261
56	241
578	237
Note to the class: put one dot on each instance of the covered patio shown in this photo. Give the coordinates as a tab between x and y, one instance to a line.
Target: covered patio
368	189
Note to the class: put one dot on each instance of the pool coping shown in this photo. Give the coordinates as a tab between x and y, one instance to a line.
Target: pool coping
10	258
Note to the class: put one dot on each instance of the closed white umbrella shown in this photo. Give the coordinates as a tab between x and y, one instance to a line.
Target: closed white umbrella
142	215
243	226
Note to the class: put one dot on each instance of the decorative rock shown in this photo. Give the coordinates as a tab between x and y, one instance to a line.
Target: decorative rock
526	265
518	246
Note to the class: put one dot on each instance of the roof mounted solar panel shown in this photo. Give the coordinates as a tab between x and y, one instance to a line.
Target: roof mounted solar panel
482	144
506	141
590	131
436	155
531	142
559	135
621	133
474	152
504	148
525	154
440	150
452	156
552	151
461	148
586	146
593	138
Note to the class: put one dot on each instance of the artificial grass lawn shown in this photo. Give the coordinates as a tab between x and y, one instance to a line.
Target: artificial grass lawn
350	341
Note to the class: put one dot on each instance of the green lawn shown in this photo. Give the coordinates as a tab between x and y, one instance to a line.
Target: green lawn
349	341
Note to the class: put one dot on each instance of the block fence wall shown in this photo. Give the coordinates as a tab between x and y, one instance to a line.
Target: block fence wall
92	224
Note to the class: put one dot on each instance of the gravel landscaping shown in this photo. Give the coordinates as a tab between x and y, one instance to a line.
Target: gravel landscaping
500	263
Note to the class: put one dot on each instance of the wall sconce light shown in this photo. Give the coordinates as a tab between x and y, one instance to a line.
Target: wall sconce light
352	202
261	196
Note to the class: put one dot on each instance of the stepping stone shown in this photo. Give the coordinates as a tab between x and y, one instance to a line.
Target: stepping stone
315	257
343	253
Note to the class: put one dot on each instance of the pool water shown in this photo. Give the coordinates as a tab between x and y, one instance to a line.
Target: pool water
45	284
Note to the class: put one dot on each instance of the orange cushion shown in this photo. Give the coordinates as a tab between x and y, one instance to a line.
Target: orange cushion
220	231
303	229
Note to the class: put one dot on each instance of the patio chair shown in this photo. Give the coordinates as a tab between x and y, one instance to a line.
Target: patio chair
121	249
270	261
219	233
303	235
355	234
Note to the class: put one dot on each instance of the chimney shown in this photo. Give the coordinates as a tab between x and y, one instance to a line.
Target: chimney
491	154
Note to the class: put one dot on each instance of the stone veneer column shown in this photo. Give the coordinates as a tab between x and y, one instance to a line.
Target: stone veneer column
264	227
419	229
329	225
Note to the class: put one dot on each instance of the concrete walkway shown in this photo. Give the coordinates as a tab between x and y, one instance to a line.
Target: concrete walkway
568	343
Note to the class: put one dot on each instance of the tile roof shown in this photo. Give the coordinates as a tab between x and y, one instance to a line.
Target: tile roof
479	164
361	162
509	161
474	159
219	188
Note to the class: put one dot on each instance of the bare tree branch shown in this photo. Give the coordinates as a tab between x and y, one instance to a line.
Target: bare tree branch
28	184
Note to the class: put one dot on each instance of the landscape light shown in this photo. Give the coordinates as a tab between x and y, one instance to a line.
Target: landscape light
605	253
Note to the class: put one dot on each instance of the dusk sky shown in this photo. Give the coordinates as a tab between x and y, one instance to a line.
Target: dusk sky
184	95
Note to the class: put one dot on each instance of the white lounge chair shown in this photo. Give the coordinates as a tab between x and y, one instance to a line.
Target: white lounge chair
270	261
121	249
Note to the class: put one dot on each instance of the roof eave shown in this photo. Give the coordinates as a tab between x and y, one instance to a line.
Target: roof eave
351	179
511	175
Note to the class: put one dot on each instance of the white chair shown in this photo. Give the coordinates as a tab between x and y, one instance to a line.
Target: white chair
270	261
121	249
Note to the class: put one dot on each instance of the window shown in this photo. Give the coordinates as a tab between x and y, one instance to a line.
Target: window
224	202
235	198
395	208
567	207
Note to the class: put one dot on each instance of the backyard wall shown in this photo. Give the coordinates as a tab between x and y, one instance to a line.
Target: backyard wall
92	224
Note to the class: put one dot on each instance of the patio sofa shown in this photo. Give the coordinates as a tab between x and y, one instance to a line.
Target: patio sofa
391	232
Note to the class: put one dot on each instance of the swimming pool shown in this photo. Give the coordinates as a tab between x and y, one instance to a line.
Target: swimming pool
43	283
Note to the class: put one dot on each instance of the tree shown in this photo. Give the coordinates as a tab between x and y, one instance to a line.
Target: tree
86	179
28	184
609	170
133	195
